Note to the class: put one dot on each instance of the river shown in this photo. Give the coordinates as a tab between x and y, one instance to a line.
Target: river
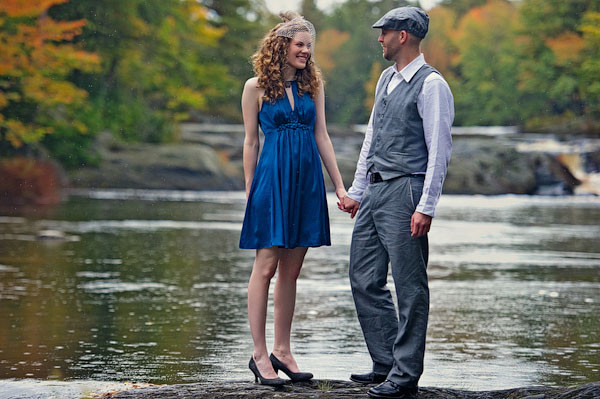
149	286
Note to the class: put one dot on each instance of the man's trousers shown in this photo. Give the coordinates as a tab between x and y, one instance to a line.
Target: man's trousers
382	236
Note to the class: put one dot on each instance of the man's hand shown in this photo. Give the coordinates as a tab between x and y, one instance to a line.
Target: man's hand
420	224
350	206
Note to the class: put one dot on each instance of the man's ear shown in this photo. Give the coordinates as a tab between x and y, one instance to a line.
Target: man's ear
403	36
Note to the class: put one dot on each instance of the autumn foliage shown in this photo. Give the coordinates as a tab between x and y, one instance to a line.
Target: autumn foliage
137	68
29	181
36	60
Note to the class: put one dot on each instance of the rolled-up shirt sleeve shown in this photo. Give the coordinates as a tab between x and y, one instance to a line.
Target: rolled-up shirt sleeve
436	106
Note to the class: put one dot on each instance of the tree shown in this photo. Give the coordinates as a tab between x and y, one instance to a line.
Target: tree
38	56
486	91
310	11
328	43
589	84
346	84
553	60
438	46
243	23
371	84
461	7
155	67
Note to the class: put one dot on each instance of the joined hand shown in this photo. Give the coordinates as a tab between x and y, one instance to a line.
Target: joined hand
348	205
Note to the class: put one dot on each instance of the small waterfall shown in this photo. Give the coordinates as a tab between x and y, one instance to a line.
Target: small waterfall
580	158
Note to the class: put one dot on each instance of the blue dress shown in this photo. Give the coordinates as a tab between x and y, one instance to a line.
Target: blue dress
287	205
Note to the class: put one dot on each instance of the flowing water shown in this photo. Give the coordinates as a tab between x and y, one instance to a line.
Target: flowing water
150	286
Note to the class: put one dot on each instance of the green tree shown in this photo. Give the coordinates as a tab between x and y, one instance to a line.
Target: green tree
346	84
243	23
486	93
310	11
154	70
589	72
551	50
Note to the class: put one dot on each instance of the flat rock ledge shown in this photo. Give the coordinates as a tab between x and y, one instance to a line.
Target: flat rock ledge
334	389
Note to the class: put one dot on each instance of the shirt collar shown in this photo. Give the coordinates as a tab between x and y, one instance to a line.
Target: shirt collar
412	68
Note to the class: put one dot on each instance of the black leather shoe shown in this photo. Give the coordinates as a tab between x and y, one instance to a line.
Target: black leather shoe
264	381
295	377
369	378
390	390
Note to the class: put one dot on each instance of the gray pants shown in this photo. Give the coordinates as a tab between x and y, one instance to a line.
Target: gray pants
396	341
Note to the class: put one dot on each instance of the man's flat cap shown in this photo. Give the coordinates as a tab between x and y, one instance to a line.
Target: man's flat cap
411	19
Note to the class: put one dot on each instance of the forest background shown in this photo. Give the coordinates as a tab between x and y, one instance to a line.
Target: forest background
70	70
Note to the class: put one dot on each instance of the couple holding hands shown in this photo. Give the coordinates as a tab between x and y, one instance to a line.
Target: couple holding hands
397	184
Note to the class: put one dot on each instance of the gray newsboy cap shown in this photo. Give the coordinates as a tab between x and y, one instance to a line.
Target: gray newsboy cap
411	19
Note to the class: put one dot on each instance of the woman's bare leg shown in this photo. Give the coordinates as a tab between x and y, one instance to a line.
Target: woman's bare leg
263	270
290	263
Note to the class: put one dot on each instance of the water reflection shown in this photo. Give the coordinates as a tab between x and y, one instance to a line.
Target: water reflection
154	289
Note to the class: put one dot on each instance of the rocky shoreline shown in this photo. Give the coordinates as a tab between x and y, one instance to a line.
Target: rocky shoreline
334	389
211	159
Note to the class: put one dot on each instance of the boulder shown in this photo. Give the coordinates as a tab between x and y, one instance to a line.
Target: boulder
489	167
187	166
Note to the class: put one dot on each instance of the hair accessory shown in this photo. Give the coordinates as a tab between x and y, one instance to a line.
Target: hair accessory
294	25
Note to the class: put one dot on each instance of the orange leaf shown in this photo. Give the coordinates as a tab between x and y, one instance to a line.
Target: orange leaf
566	47
27	8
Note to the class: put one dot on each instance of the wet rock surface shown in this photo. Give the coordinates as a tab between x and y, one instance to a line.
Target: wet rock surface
334	389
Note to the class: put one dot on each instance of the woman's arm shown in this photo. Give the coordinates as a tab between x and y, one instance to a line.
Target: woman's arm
324	145
250	106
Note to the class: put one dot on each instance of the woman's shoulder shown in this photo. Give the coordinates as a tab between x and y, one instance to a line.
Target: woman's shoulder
252	83
251	86
252	90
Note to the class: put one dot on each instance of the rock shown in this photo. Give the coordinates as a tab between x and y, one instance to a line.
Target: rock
169	166
488	167
334	389
211	159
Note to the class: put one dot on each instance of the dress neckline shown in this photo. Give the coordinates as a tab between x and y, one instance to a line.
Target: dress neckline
294	95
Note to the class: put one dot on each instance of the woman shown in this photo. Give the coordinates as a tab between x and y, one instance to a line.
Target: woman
286	209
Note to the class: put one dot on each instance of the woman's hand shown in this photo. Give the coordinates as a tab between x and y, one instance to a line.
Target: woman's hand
341	193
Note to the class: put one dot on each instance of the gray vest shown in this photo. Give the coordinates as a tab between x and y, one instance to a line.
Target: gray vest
398	144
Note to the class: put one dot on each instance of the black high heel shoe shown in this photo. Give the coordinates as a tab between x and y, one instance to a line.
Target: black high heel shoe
264	381
295	377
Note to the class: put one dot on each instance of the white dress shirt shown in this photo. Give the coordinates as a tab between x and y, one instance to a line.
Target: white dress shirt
436	106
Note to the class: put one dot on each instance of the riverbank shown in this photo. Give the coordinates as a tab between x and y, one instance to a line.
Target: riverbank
335	389
484	161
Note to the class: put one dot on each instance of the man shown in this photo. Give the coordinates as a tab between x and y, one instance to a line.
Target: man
397	184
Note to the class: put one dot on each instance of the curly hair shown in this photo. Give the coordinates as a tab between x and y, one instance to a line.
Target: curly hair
270	60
